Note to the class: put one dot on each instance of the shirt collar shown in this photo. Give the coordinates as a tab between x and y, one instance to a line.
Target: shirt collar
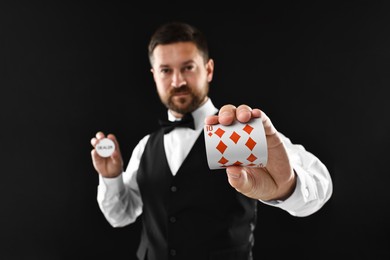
199	114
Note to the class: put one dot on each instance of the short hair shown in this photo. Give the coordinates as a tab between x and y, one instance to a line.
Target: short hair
174	32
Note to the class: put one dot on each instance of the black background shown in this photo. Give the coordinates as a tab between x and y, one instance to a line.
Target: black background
68	70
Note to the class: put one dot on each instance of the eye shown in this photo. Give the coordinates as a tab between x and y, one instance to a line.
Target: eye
189	67
165	70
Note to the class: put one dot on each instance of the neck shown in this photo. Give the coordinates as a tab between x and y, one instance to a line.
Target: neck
176	114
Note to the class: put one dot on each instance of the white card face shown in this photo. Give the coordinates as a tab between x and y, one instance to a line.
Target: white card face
240	144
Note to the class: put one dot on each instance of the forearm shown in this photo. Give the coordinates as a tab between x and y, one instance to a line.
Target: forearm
120	204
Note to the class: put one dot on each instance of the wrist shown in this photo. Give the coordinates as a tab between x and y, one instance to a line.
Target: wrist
291	185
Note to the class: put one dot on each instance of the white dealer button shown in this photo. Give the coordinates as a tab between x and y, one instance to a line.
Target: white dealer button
105	147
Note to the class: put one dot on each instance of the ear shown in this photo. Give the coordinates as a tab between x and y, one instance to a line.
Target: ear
152	70
210	70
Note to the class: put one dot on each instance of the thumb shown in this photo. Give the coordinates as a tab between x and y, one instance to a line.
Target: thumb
240	180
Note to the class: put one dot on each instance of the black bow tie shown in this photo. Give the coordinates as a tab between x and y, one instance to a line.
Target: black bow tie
186	121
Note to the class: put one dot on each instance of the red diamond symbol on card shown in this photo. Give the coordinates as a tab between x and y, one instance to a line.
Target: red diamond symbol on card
210	134
251	158
219	132
248	129
238	163
235	137
250	143
223	160
221	147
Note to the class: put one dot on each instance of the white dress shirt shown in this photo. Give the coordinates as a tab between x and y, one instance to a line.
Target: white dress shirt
120	201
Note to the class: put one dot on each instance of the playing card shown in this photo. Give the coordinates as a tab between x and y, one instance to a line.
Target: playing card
241	144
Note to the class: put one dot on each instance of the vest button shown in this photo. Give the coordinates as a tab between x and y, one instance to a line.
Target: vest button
172	219
173	188
172	252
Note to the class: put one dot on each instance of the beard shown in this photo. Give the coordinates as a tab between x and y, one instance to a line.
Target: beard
188	103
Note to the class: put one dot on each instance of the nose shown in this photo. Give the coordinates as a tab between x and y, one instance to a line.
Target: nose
178	79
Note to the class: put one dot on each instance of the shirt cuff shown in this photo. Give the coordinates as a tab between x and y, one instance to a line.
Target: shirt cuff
305	191
110	187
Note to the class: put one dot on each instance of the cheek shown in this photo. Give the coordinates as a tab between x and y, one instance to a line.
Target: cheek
200	81
162	87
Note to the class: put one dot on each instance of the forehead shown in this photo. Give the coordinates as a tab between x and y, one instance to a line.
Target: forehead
176	54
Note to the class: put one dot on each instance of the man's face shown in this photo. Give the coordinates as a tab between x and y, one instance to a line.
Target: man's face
181	75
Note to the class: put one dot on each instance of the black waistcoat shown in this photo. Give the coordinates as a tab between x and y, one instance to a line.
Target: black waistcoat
195	214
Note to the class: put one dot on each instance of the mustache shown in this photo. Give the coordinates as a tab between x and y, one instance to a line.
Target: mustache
181	89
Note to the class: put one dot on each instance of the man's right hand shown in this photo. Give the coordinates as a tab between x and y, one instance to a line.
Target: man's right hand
111	166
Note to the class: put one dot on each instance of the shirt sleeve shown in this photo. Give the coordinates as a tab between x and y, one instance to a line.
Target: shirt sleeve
314	184
119	198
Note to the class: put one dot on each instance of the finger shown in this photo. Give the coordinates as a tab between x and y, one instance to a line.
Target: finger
98	162
211	120
99	135
273	138
244	113
94	155
94	141
241	181
96	159
227	114
255	183
268	126
116	154
113	138
256	113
